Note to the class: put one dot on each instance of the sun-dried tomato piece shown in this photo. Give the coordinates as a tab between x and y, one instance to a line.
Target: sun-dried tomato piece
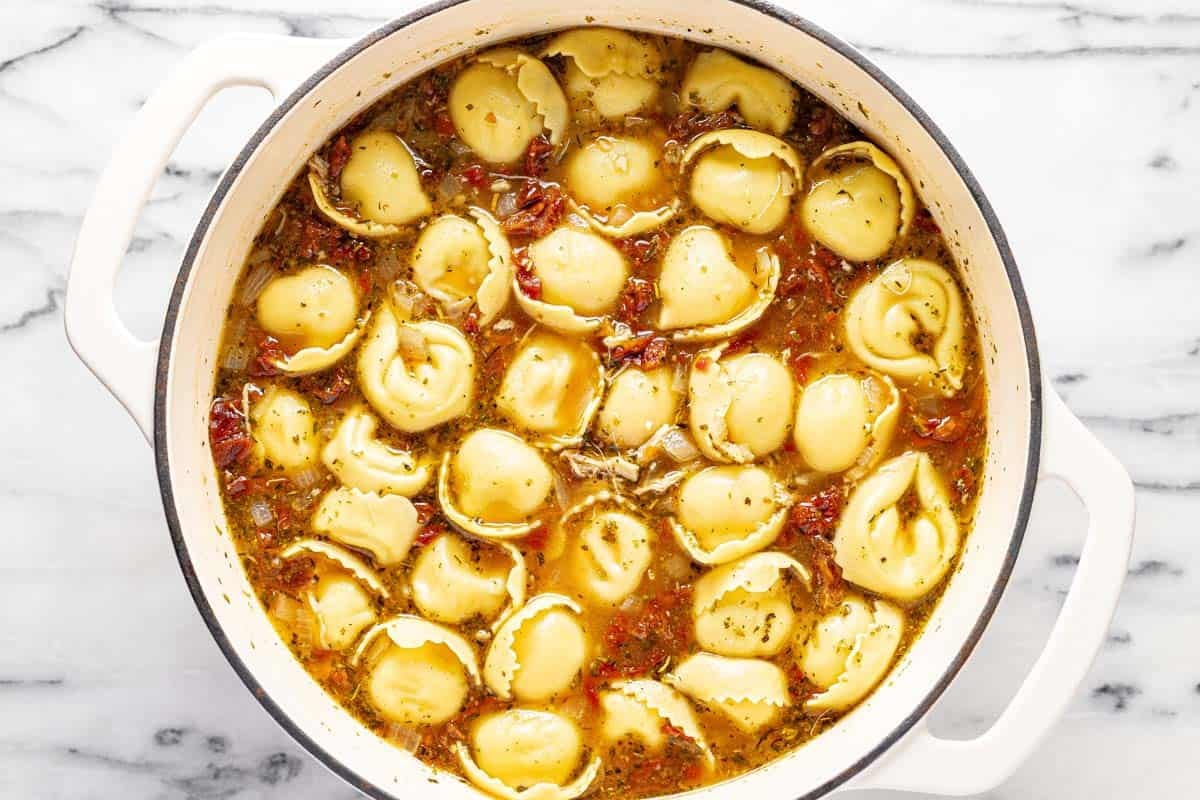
443	125
642	250
476	174
639	640
537	156
339	154
820	122
635	298
329	387
539	210
692	123
817	514
268	351
316	237
947	429
527	280
231	445
647	350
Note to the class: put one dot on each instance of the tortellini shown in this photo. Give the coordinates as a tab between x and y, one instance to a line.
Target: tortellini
384	525
705	293
552	388
503	101
610	548
749	691
883	549
848	651
581	277
380	187
417	375
742	178
342	599
740	407
638	403
616	185
316	310
859	202
717	80
460	262
641	709
494	484
419	672
725	513
538	652
612	70
845	421
454	580
744	608
283	429
362	461
889	319
525	754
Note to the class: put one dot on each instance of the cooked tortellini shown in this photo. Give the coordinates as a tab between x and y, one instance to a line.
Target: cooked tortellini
717	80
705	293
461	262
503	101
342	598
742	178
610	548
889	319
845	421
740	407
419	672
616	185
362	461
417	375
745	608
612	71
283	429
552	388
749	691
316	311
454	580
538	652
526	754
725	513
638	403
859	202
883	549
384	525
642	709
494	484
380	187
581	277
848	651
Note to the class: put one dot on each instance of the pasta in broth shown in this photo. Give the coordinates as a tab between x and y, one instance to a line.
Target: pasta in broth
599	415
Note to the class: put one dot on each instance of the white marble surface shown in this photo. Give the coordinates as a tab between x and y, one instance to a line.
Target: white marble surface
1081	120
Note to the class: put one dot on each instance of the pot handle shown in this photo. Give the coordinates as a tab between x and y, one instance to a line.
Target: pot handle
120	360
922	762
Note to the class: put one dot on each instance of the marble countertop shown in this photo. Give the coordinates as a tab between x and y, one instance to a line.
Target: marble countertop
1082	121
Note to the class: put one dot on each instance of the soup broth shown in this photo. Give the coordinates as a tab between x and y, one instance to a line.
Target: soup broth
600	412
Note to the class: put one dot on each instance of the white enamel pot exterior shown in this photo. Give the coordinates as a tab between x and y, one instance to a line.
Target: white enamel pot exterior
167	386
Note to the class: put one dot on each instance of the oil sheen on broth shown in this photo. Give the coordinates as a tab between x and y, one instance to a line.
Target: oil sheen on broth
599	413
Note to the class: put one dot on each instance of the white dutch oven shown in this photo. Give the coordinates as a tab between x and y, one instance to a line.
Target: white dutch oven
882	744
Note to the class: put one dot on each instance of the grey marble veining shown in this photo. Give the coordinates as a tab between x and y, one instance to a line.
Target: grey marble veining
1080	119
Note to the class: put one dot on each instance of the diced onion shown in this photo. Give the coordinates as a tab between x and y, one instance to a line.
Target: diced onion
449	187
235	359
405	295
506	206
562	492
258	278
405	737
678	444
261	513
308	477
410	344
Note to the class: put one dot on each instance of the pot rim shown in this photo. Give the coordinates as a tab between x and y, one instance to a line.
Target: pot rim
995	230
